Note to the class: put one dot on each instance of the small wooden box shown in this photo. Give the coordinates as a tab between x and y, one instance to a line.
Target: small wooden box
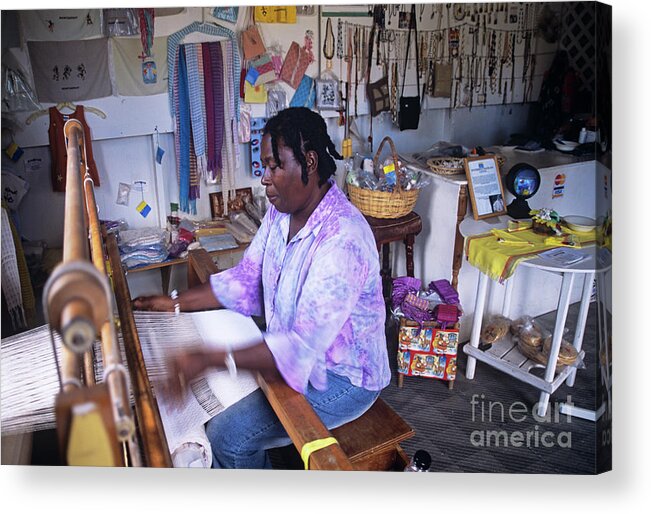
428	351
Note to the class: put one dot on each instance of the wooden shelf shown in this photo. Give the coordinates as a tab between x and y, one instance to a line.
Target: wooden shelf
505	356
174	262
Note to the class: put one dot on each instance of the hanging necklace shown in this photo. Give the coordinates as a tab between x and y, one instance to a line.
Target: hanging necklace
329	45
492	61
340	39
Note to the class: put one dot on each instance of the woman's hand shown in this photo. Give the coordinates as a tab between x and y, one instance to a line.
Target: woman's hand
187	365
154	303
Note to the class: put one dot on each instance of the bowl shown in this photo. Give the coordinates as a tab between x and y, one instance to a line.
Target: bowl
580	223
564	145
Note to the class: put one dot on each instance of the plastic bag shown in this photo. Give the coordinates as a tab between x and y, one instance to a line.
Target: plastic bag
495	329
17	95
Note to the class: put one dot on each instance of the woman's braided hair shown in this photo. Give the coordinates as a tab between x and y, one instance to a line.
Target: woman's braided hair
303	130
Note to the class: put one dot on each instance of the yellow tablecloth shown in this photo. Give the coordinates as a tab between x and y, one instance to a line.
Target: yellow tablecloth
498	252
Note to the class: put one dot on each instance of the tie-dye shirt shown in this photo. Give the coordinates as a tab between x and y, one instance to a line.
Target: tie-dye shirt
321	295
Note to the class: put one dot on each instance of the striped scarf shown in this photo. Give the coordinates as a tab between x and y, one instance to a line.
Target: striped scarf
174	40
183	133
197	108
217	67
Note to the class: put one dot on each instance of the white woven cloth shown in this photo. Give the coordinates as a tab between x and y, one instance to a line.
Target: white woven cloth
10	277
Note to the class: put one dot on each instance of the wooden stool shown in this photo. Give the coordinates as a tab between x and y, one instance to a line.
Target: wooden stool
389	230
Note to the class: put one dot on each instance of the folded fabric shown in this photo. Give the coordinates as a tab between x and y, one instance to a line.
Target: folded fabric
305	94
254	94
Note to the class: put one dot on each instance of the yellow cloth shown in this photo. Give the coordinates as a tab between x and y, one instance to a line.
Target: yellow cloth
498	252
309	448
275	13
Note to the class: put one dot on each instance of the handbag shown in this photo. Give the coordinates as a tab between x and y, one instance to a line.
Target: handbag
296	62
442	80
255	94
252	44
265	69
409	113
377	93
305	94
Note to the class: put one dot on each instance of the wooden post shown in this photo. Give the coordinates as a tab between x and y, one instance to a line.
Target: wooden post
156	452
457	256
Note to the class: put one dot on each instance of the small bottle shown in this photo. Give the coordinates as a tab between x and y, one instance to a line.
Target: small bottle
421	461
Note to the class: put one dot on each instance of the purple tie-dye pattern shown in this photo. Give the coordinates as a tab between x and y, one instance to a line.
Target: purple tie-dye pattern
321	295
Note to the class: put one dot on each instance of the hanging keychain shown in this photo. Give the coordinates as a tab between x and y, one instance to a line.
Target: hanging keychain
159	151
143	207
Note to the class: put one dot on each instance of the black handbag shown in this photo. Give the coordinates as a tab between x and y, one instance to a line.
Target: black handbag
409	113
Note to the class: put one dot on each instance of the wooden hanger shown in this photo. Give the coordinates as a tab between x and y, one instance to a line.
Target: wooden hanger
65	105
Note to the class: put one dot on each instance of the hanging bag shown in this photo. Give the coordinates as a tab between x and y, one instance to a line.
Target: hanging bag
252	45
296	62
377	92
409	113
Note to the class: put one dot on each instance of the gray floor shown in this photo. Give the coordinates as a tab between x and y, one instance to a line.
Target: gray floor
447	428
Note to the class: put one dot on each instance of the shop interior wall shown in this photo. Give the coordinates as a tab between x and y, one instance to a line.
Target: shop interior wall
124	142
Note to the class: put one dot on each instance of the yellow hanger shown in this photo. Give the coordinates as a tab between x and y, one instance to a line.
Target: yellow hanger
65	105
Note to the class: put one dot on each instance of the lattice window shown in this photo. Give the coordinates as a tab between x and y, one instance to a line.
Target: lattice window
579	41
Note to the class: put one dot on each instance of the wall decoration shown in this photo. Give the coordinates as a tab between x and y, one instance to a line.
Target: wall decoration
136	75
61	24
70	70
327	95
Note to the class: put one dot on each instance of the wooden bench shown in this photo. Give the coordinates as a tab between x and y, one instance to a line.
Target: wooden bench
369	443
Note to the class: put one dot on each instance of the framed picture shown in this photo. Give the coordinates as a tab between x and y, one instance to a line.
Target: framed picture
327	95
485	186
237	204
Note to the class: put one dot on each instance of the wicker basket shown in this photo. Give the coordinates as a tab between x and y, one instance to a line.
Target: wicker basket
453	165
382	204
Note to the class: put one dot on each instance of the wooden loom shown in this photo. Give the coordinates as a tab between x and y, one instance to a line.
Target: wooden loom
78	303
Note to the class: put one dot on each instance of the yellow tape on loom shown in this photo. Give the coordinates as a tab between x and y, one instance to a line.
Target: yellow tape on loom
313	446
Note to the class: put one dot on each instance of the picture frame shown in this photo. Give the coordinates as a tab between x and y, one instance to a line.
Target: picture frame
485	186
327	95
242	196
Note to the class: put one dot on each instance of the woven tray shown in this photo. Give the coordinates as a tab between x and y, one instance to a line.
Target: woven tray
453	165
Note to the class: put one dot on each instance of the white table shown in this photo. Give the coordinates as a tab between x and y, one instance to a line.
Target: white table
504	354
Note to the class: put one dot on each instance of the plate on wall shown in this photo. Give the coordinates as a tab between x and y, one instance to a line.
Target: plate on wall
580	223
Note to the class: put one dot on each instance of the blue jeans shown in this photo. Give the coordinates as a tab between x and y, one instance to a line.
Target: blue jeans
241	434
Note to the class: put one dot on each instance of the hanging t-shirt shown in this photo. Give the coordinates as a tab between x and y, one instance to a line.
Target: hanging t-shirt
61	24
69	71
58	147
135	76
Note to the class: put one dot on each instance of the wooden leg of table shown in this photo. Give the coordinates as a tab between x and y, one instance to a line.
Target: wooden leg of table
409	254
482	289
401	378
165	273
457	256
561	318
581	320
450	384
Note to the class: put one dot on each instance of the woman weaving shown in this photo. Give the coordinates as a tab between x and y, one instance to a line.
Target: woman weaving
313	271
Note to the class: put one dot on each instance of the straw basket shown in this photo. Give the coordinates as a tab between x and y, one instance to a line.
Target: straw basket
382	204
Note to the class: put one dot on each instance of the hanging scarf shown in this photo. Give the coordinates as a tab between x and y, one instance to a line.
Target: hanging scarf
217	82
229	163
183	133
197	111
210	110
